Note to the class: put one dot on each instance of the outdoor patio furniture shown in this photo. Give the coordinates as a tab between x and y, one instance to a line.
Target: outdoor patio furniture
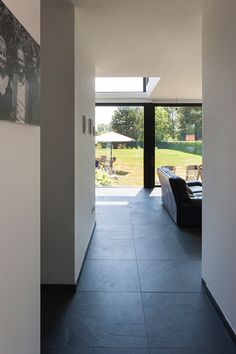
112	137
107	163
191	172
199	171
97	163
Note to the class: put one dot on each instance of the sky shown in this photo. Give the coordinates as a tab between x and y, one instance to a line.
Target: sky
119	84
103	114
114	84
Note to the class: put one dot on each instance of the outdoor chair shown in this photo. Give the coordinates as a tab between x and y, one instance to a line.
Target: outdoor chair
97	163
191	172
199	171
104	162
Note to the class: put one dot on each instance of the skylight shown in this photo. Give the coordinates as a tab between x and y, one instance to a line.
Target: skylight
119	84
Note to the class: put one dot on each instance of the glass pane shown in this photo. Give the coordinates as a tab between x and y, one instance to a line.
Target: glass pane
178	140
119	84
119	158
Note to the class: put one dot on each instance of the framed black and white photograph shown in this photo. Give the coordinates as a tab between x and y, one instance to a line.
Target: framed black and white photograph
90	126
19	71
84	124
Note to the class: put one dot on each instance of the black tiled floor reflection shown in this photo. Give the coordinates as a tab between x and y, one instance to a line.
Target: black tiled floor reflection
170	276
106	319
189	351
140	289
183	320
109	275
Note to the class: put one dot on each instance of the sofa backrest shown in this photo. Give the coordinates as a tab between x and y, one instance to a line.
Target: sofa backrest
173	184
179	189
185	211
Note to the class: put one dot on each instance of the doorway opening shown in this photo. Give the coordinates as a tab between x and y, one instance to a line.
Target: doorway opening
119	145
178	140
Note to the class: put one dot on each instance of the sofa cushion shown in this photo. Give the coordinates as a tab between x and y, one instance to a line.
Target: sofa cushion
196	189
189	190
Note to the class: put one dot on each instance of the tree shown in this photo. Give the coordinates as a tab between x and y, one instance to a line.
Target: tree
129	121
189	121
103	128
164	127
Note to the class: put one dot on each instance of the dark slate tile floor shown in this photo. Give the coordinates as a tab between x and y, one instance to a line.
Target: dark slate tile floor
140	289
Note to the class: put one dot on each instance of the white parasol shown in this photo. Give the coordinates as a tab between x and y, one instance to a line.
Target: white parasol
112	137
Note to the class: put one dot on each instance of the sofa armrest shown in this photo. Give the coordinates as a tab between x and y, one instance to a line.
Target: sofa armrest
193	183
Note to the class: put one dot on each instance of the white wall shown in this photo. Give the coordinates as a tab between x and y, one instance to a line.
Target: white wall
219	127
57	145
84	143
20	220
67	154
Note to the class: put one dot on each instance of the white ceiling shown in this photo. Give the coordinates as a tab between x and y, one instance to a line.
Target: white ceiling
147	38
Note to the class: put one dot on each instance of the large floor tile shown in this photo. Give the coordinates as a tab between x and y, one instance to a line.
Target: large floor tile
158	249
191	351
192	248
116	230
106	319
184	320
186	233
170	276
75	350
101	248
119	191
106	315
109	275
126	233
78	350
154	210
152	231
144	207
113	219
121	208
120	351
155	219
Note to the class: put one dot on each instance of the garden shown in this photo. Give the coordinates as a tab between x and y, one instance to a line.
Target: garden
178	141
128	167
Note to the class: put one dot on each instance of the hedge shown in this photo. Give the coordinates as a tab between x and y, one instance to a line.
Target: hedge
193	147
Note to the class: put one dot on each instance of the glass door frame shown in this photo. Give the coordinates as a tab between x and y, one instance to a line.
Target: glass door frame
166	104
149	172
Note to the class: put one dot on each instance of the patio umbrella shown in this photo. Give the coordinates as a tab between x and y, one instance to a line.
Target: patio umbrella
112	137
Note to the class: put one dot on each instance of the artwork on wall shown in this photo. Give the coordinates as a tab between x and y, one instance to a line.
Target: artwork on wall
19	71
84	124
90	126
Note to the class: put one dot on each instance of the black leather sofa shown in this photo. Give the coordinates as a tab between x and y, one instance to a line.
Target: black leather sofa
183	200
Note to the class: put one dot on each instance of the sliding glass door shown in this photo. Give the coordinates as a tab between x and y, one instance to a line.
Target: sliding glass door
178	140
119	145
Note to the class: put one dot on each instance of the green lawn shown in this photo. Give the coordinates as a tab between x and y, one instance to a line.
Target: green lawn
129	163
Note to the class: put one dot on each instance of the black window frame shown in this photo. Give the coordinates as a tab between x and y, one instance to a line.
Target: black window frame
149	172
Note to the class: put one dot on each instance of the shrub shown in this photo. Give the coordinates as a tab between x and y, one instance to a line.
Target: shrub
193	147
102	179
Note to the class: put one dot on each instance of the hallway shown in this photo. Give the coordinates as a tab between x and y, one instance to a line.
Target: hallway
140	289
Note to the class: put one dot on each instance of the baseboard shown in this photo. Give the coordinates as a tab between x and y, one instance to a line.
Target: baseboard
85	255
68	287
220	312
